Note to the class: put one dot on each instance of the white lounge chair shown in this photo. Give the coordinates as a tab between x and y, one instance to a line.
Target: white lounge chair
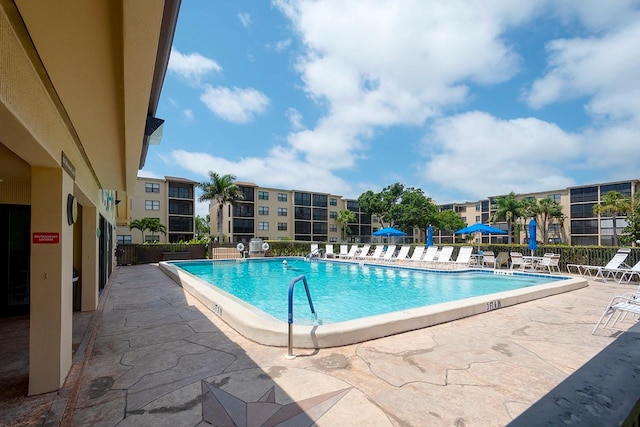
352	252
376	255
611	269
328	251
622	305
616	262
463	259
549	262
344	250
363	252
517	261
489	259
402	253
416	256
445	254
430	254
388	254
626	274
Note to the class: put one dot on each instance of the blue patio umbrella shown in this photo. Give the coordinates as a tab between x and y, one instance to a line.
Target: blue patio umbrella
533	243
480	228
429	236
389	232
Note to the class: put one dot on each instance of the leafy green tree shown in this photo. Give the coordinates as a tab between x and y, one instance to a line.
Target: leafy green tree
202	226
413	210
632	230
508	209
344	217
380	204
448	220
613	204
140	224
222	189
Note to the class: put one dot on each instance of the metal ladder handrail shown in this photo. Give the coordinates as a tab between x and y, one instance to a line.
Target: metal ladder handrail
292	284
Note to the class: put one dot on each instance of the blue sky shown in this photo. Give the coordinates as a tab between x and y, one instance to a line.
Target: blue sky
463	99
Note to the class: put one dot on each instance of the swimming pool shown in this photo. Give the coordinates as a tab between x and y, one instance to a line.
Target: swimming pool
354	301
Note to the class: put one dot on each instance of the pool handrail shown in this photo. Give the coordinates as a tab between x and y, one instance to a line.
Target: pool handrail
292	284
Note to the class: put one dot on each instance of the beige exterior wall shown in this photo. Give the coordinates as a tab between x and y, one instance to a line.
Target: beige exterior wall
138	208
76	81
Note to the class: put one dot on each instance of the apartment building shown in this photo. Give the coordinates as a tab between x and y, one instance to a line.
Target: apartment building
171	200
278	214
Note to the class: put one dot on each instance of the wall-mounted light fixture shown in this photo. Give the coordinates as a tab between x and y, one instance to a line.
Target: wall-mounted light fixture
152	136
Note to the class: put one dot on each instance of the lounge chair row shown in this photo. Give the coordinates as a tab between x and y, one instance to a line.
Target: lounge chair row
431	255
616	269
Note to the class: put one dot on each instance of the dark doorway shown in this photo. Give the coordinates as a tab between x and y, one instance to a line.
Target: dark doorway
15	256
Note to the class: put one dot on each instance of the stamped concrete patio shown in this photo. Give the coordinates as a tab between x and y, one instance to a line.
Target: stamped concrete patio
152	355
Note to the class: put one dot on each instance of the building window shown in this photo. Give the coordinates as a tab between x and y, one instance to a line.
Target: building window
333	202
178	191
282	211
588	194
263	225
464	219
263	210
152	205
302	199
124	239
302	213
282	226
333	228
282	197
151	239
320	200
151	187
478	207
477	218
180	207
319	214
263	195
333	214
582	211
554	197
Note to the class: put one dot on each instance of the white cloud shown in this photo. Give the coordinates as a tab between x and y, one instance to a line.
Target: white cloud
295	118
479	155
605	69
597	15
235	105
188	115
245	19
192	67
145	173
394	62
283	45
282	168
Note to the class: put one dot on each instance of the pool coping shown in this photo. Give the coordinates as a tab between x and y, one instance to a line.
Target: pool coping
264	329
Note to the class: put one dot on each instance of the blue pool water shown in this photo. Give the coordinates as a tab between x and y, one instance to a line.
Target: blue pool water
346	291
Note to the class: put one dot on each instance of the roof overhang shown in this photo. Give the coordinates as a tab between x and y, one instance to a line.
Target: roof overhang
106	61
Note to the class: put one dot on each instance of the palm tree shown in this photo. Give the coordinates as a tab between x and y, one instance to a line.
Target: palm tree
548	210
140	224
154	226
508	209
344	217
613	204
222	189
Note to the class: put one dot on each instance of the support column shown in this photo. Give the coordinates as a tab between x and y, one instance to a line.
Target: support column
50	335
89	272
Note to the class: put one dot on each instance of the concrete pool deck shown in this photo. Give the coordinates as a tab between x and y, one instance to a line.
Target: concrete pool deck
154	355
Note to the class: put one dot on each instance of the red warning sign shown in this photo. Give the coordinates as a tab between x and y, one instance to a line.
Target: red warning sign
46	238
